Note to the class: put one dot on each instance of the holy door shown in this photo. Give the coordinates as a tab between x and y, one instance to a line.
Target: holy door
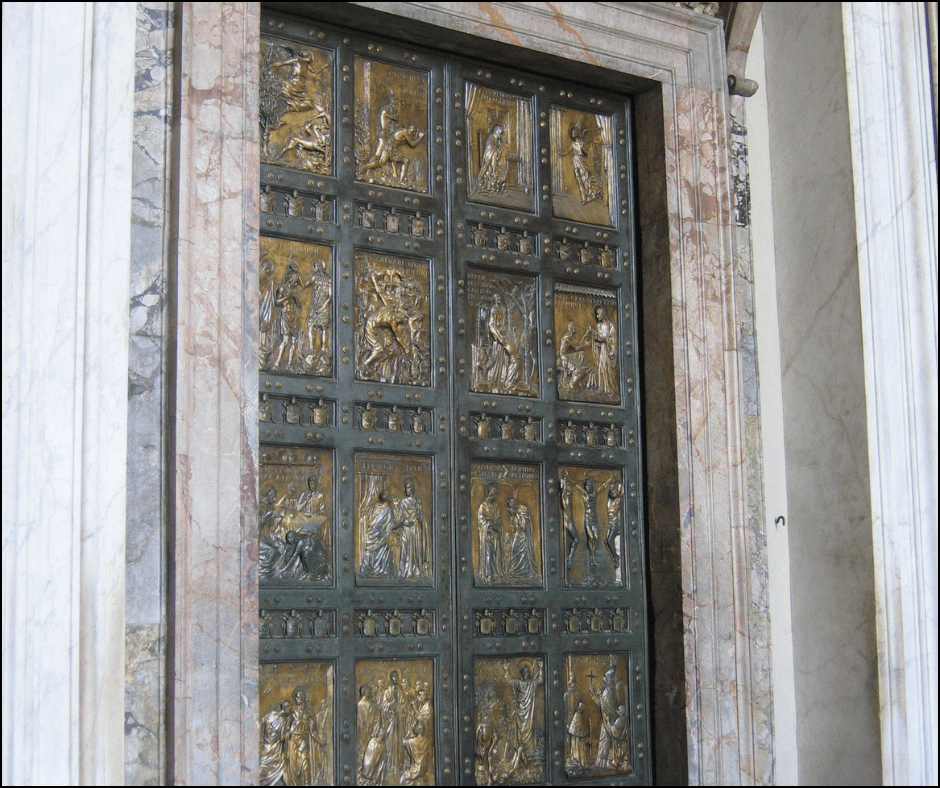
451	560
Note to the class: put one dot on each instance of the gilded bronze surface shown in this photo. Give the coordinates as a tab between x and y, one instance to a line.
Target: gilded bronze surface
507	533
391	125
295	515
296	106
597	715
394	541
296	307
588	351
501	313
583	177
395	722
296	723
392	319
509	720
590	502
499	148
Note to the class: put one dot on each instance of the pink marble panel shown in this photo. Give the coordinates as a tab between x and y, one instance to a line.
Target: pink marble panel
214	711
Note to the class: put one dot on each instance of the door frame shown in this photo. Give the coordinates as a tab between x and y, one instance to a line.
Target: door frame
700	536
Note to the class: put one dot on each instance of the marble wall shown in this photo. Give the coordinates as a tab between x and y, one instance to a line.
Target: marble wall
825	440
147	388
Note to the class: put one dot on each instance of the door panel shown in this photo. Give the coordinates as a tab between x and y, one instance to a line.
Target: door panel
449	463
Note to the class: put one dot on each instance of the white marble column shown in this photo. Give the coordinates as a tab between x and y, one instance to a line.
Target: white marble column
895	175
67	118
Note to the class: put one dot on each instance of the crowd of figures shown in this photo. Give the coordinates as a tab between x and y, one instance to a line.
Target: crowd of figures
392	335
506	555
589	492
394	532
296	746
612	747
503	359
294	531
508	743
587	364
296	319
395	732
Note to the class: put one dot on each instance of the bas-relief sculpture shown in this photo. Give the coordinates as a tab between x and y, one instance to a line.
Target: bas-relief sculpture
499	148
391	125
590	500
295	516
597	715
395	722
583	174
296	724
296	106
507	537
392	319
501	311
509	719
394	543
296	307
588	350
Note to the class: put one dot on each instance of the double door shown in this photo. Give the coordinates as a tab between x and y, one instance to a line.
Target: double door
450	553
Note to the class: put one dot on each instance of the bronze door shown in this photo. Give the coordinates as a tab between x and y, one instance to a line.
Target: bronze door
450	554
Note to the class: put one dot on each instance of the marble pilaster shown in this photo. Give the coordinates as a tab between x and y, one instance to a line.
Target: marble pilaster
894	169
67	118
214	592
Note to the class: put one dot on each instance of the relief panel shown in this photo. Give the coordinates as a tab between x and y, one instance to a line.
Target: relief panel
296	307
395	722
583	176
501	313
295	516
590	502
391	125
393	315
507	532
588	350
296	106
296	723
509	720
597	715
499	148
394	542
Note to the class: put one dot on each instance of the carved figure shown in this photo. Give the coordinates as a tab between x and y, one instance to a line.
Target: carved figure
573	367
521	552
493	170
614	501
578	738
313	137
287	302
485	741
266	310
523	711
380	522
566	488
588	185
390	149
274	727
589	498
490	525
604	340
502	358
319	318
371	734
608	700
304	746
415	554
